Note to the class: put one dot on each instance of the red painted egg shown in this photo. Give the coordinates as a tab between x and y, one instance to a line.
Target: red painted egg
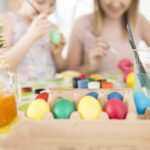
125	64
116	109
83	76
43	95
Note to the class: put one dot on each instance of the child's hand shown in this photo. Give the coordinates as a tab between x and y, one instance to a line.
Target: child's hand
98	52
39	27
57	49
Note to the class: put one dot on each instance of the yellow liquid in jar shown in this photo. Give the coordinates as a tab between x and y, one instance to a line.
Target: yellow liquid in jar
8	109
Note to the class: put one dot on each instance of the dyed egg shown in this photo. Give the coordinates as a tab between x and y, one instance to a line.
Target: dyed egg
38	109
126	73
115	95
83	76
141	102
125	64
116	109
55	37
93	94
96	77
89	108
43	96
63	109
131	80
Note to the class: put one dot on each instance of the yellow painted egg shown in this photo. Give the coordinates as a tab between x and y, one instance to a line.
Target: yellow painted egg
96	77
89	108
131	80
70	74
38	109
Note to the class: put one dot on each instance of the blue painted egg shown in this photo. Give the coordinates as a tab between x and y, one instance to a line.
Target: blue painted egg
142	102
115	95
93	94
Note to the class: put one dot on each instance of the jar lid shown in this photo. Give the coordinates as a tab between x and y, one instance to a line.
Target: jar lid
2	40
4	64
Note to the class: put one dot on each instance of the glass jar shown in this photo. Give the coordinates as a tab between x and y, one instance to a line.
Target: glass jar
9	93
142	80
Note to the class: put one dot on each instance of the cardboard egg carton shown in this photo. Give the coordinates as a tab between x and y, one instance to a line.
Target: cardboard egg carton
132	133
145	116
76	94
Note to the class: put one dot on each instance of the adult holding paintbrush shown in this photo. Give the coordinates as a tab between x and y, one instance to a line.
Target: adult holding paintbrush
28	47
100	40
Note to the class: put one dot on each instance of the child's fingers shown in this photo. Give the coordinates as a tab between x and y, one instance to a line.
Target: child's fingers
41	17
44	25
57	49
62	37
44	28
42	22
63	41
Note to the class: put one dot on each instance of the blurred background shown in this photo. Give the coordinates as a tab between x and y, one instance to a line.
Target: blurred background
68	11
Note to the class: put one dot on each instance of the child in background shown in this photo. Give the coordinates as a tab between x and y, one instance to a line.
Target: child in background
100	40
28	49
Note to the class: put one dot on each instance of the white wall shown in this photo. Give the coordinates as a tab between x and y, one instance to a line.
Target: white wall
69	10
145	8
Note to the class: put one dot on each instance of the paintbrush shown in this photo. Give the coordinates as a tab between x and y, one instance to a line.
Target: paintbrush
132	43
37	11
92	37
143	78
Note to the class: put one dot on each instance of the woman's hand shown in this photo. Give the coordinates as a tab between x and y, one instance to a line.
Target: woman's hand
98	52
39	27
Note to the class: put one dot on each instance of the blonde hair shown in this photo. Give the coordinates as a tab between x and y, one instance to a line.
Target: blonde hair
15	5
129	17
